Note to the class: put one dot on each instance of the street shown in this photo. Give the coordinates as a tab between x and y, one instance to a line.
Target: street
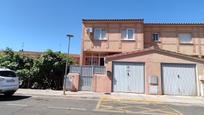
53	105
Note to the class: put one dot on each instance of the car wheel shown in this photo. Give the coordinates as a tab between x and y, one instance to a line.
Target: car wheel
9	93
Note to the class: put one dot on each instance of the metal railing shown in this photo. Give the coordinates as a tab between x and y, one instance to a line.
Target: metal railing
87	69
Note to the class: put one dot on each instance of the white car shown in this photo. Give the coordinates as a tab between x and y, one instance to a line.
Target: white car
9	82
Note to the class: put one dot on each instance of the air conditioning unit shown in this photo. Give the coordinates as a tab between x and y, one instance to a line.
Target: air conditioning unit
89	30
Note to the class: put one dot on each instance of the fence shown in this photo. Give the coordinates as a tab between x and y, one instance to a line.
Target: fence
86	74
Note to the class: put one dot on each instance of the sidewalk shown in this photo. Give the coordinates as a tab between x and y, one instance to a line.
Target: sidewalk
188	100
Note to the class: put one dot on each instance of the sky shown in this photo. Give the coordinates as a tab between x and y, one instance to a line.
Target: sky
38	25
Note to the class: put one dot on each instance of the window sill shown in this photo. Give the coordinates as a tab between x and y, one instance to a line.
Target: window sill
128	40
186	43
157	41
101	40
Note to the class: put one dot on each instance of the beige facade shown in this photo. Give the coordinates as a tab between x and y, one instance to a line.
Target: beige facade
152	59
153	44
113	44
169	39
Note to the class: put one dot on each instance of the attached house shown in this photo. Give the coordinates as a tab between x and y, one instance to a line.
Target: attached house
146	58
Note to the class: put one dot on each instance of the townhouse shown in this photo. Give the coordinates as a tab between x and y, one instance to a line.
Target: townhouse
146	58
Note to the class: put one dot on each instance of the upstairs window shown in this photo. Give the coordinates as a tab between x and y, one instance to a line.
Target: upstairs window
155	37
128	34
99	34
185	38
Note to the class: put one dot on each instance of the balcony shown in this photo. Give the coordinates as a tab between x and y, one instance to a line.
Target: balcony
112	45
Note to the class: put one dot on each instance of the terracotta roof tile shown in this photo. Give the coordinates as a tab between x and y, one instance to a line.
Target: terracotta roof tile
112	19
185	23
147	23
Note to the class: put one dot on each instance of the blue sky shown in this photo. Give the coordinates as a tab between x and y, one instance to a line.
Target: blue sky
43	24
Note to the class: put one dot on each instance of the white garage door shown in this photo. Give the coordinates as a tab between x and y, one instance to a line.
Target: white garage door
179	79
128	77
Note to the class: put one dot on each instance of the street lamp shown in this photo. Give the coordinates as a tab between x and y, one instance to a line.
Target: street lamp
65	74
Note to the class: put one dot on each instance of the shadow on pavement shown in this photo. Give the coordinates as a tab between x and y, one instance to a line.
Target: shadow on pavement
13	98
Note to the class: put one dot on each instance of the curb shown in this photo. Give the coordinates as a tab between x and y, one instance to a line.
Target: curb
59	96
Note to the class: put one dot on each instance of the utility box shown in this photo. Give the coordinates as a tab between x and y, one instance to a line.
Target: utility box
73	81
68	84
153	80
201	78
202	88
153	85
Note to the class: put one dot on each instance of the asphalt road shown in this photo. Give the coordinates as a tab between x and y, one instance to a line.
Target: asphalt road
52	105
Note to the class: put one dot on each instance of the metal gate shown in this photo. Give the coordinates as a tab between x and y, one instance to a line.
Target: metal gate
179	79
86	74
128	77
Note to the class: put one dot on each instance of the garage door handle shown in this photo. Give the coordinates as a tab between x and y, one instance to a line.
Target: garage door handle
128	74
178	76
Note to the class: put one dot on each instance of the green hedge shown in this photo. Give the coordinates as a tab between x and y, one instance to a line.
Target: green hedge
44	72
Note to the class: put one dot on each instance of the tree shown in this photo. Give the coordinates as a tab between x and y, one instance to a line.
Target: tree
20	63
52	69
47	71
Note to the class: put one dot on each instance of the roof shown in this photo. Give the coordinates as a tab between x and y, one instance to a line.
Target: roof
113	19
110	20
142	20
177	23
155	50
185	23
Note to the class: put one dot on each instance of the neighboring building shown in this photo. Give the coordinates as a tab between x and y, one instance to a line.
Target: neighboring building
150	58
37	54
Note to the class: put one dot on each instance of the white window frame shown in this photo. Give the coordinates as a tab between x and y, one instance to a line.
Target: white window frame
126	34
156	40
183	42
101	33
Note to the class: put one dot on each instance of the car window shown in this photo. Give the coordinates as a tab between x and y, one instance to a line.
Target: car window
7	74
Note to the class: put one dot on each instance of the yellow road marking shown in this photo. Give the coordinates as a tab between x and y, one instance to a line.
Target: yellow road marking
129	100
179	113
99	103
141	112
123	109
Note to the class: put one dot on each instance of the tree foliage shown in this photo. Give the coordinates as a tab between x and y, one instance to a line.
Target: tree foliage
44	72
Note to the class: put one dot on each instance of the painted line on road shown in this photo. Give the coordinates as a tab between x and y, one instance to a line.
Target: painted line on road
145	110
126	111
178	112
19	105
68	108
99	103
129	100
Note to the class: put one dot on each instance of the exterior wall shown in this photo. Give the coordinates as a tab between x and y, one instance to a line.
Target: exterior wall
101	83
169	38
153	62
114	43
143	38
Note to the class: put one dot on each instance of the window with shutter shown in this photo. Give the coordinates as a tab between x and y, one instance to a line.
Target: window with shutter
123	34
185	38
99	34
155	37
128	34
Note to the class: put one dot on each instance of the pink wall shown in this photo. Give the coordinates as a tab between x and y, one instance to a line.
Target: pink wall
101	83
